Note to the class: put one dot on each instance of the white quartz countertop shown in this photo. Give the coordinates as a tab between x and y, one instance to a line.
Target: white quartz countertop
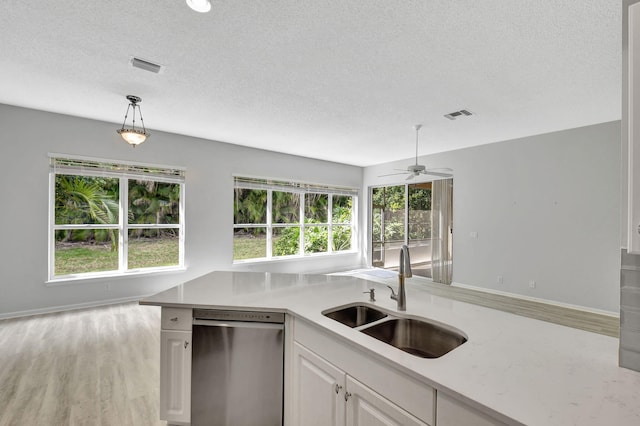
531	371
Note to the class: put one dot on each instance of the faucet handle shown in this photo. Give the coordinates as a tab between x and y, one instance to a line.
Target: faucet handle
372	294
394	296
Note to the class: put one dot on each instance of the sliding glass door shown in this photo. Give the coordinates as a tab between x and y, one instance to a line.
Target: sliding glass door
388	206
412	214
419	227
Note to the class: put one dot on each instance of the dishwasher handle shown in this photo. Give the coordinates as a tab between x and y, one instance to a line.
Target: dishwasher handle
239	324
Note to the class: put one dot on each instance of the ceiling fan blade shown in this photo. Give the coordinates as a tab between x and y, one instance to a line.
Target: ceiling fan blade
393	174
428	172
444	169
418	169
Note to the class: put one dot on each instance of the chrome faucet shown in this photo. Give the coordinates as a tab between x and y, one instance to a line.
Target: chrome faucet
404	272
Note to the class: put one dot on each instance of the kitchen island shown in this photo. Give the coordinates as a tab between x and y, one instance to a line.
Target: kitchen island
516	370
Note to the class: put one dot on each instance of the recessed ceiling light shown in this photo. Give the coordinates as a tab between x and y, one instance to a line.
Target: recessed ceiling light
202	6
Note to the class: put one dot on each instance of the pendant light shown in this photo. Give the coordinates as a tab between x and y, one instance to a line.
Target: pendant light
133	136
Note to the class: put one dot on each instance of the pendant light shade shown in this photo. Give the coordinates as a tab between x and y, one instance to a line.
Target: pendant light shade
131	135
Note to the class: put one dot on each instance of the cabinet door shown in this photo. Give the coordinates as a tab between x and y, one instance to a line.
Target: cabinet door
175	376
318	394
367	408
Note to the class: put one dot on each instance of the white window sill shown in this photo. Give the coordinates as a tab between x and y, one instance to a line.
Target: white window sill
110	276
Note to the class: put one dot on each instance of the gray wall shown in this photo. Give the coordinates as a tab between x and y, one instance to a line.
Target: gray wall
545	208
28	136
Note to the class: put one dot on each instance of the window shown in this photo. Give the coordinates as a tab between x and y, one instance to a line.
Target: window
108	218
277	219
405	214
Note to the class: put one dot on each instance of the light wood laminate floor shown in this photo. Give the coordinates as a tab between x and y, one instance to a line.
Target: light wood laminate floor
100	366
595	322
96	366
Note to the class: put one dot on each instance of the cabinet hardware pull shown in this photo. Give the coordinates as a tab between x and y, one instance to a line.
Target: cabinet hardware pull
174	319
186	344
347	395
338	387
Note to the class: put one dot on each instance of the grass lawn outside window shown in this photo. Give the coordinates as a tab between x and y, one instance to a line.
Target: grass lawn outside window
110	219
281	219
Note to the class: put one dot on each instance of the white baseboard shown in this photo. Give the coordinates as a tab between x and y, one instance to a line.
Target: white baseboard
53	309
536	299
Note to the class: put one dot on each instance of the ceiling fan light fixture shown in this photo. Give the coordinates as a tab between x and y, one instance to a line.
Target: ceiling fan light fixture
201	6
131	135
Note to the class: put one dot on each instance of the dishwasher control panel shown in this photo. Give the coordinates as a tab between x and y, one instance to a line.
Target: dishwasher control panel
246	316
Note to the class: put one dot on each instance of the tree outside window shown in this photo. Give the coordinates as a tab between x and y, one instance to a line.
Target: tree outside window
106	220
273	220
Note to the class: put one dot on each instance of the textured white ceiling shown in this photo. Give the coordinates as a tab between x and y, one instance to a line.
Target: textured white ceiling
342	80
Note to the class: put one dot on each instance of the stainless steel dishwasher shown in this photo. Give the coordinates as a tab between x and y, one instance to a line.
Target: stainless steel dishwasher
237	368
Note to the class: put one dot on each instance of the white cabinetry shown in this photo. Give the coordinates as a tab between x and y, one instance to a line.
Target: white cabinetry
333	382
454	413
324	395
175	366
318	390
367	408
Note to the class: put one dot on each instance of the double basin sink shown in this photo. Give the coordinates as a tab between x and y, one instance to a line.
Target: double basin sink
418	337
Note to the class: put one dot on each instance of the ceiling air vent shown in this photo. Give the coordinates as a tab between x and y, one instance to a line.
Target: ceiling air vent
146	65
456	114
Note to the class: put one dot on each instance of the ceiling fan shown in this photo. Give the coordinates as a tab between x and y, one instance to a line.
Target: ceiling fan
419	169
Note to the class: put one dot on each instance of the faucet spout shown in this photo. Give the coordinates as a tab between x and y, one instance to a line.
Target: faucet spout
405	262
404	272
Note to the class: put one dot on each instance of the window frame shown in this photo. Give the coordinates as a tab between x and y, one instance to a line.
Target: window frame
302	189
61	164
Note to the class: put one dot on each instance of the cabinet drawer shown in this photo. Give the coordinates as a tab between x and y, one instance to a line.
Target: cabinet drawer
176	319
